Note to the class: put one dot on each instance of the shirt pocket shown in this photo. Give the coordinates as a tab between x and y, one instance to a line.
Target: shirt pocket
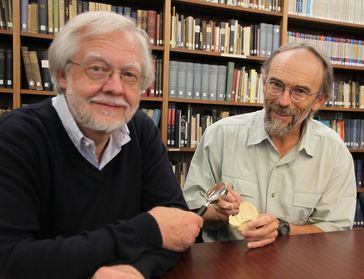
303	205
248	189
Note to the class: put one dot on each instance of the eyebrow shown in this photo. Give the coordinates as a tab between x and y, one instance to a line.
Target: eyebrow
96	56
297	86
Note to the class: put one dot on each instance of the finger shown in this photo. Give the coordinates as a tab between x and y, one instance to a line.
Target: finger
260	243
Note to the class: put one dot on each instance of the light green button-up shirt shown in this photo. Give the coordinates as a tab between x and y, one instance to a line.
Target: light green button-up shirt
312	184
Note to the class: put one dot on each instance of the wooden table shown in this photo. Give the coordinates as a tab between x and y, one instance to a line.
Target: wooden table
328	255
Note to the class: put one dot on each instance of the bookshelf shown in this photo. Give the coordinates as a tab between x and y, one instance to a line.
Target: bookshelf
288	18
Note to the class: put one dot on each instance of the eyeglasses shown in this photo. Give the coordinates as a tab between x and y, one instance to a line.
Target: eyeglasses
298	94
103	73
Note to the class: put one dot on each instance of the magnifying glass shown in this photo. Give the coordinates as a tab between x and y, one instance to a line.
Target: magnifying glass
212	195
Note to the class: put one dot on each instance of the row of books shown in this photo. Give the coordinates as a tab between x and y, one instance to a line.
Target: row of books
154	114
266	5
6	68
231	37
347	94
341	50
351	11
49	16
185	127
6	14
36	69
350	130
155	89
214	82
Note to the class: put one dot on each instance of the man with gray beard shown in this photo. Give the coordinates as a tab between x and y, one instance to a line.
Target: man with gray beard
86	187
296	171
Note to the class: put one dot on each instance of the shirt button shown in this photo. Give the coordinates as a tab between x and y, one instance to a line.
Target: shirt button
273	195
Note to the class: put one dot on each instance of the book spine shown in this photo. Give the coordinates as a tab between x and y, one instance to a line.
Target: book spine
197	80
212	82
23	15
44	70
8	68
152	26
43	16
173	79
205	82
189	80
181	79
2	67
34	63
27	67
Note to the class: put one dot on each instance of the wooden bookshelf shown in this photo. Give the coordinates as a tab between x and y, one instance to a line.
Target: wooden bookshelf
204	9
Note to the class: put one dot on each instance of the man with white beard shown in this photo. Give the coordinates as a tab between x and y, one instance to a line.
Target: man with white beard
86	187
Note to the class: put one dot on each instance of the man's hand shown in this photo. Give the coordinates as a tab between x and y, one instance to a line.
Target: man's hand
121	271
228	205
262	231
179	228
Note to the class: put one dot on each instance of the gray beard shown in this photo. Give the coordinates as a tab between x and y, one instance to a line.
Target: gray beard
273	127
83	117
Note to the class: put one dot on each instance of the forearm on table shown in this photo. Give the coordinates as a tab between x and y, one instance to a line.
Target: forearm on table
304	229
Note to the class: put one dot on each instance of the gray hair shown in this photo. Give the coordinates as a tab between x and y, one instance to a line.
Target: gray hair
67	42
328	77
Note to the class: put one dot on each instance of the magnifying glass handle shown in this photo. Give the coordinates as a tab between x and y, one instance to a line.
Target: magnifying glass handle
202	209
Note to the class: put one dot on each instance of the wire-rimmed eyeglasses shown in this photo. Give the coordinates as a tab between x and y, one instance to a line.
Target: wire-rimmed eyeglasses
103	73
297	93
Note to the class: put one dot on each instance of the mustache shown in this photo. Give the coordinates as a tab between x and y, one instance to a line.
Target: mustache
282	110
112	101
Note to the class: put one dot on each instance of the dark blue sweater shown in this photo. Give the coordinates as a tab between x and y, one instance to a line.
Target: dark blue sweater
60	217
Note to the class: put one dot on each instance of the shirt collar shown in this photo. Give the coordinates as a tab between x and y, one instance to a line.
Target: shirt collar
257	134
120	136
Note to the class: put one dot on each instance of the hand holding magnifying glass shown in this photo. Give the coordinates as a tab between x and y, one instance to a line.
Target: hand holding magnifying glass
219	190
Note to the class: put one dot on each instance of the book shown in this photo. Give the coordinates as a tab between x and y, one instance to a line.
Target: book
152	26
276	37
23	15
159	91
262	38
33	18
34	63
62	13
221	82
55	16
229	81
197	80
213	78
205	81
181	79
197	30
8	12
8	68
2	67
156	116
44	70
173	79
189	80
27	67
268	39
50	16
43	16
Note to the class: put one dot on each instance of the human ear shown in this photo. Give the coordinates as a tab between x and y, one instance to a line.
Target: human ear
320	101
62	80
